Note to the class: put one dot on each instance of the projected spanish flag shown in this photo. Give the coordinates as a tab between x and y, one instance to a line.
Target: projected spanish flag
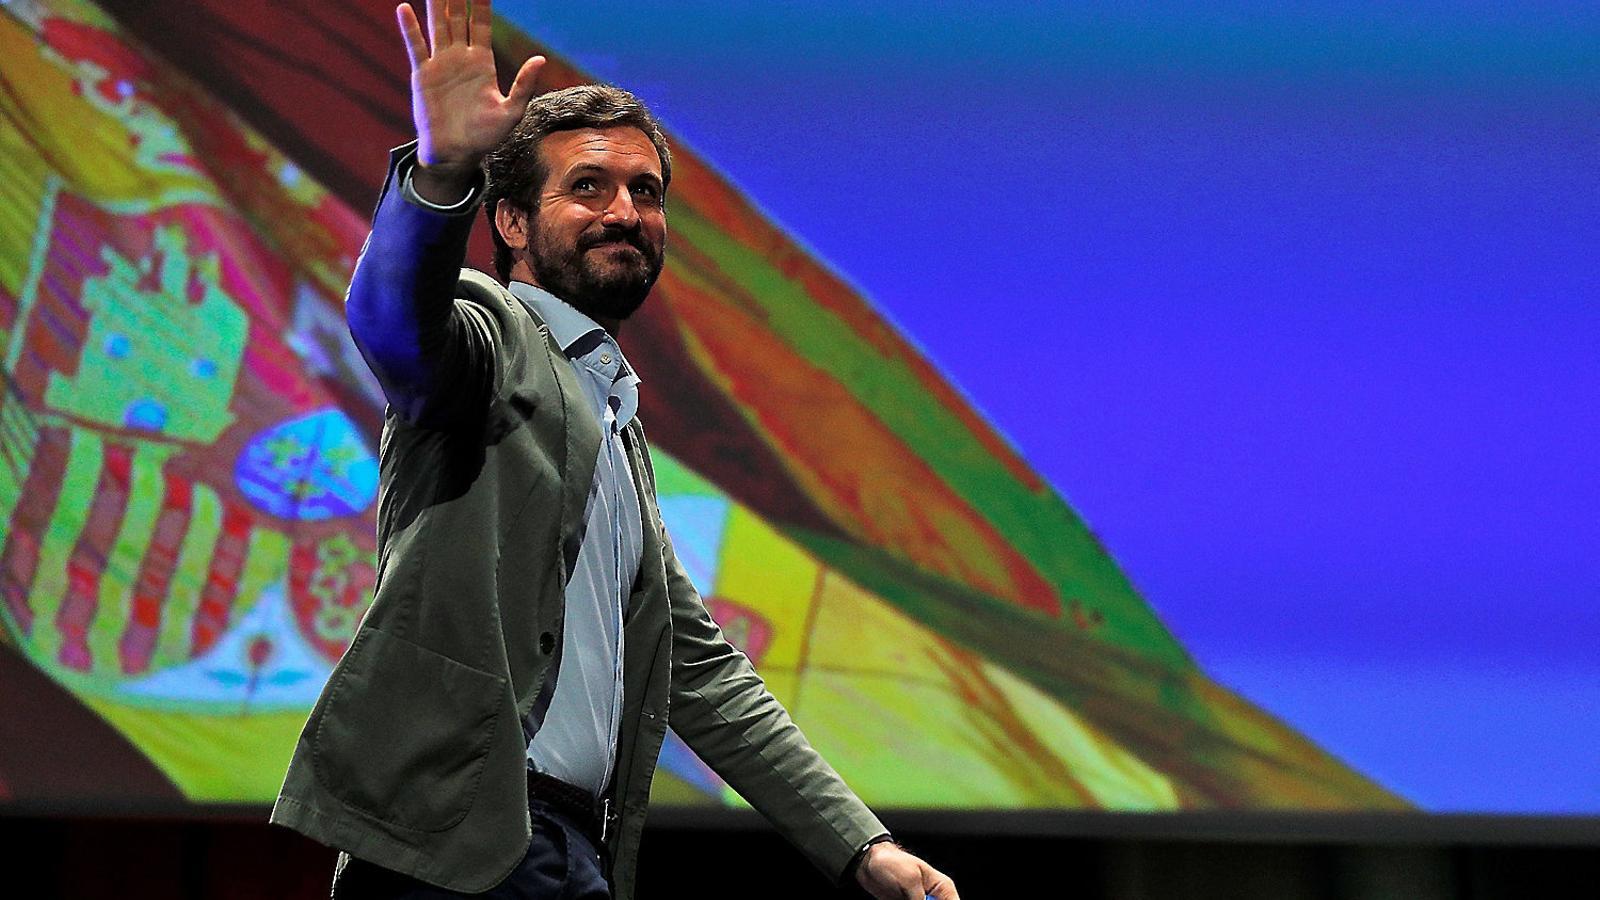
190	474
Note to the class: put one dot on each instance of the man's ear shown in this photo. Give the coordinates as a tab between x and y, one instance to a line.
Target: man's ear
512	223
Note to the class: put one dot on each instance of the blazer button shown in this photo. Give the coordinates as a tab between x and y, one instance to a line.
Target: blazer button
547	643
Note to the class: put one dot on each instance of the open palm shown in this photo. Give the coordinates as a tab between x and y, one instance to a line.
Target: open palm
456	102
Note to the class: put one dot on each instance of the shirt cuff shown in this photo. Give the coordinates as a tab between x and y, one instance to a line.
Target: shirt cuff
465	204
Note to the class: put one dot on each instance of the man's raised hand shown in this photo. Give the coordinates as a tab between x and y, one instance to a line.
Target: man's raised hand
456	102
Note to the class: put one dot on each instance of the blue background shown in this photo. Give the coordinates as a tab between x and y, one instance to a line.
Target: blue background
1297	306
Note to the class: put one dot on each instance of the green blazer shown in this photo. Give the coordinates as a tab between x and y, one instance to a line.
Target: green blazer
414	756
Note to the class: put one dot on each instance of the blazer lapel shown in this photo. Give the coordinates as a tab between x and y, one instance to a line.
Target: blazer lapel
582	446
652	559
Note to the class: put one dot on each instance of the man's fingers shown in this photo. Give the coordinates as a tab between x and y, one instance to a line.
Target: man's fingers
938	884
411	31
438	24
455	12
481	31
523	87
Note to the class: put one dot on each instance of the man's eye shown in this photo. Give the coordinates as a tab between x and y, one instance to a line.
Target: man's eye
583	184
648	191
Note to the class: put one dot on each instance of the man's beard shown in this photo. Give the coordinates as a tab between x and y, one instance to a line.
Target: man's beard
598	290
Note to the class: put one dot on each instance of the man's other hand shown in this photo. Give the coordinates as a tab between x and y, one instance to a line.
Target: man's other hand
890	873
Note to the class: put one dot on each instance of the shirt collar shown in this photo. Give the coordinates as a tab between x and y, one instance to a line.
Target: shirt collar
580	337
566	324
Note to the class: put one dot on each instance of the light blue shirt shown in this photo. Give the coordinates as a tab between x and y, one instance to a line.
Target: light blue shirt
576	741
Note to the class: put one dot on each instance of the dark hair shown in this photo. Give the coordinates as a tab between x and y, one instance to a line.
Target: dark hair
516	170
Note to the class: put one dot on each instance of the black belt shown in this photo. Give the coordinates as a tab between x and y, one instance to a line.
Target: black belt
597	819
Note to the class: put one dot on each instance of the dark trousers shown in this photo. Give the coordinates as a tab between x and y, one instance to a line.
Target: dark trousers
561	864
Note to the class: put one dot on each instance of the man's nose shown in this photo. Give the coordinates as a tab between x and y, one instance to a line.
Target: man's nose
621	212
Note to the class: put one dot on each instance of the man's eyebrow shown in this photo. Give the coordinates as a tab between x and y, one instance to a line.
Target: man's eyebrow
596	167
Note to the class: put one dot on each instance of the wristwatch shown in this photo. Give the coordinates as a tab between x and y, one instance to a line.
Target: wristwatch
861	854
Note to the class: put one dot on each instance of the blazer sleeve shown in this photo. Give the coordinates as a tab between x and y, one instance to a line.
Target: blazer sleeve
434	355
724	712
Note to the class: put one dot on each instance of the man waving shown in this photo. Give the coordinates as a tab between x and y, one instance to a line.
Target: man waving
494	726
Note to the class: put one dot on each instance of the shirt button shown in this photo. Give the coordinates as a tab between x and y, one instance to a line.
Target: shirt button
547	643
605	358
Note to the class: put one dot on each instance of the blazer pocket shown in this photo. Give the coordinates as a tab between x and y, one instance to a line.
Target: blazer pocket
405	733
